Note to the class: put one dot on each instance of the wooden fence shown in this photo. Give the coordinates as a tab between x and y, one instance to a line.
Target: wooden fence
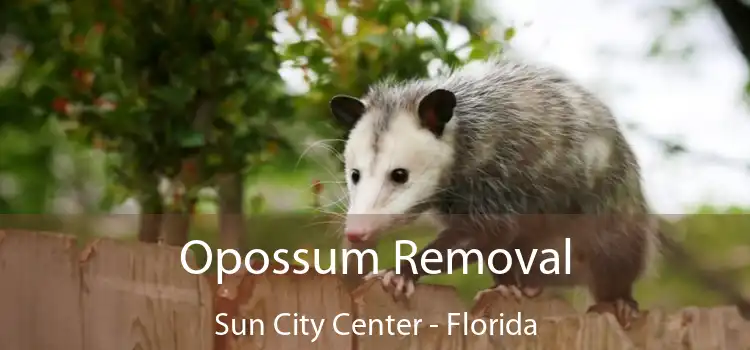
125	295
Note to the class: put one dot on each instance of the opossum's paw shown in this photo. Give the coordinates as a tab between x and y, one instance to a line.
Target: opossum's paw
531	292
504	291
397	285
625	311
510	291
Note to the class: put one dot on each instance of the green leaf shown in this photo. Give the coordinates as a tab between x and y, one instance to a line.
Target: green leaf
192	139
113	196
176	96
37	76
399	20
257	204
439	28
510	32
221	32
376	40
481	49
93	43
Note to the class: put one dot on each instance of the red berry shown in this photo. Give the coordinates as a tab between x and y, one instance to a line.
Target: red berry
83	76
317	187
251	22
326	23
189	166
60	105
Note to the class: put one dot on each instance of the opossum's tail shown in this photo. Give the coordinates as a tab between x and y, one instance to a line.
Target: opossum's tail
713	280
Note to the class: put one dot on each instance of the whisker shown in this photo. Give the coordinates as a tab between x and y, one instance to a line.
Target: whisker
333	215
315	144
332	151
340	203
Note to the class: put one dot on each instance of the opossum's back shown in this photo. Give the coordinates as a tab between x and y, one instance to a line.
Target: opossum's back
538	141
598	177
528	116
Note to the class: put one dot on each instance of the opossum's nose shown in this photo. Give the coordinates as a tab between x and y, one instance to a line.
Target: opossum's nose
355	236
360	228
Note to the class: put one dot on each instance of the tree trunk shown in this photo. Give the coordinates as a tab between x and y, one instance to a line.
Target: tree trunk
231	214
149	227
176	226
152	209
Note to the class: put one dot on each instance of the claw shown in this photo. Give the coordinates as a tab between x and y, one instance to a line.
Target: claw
373	275
389	279
399	286
502	290
410	289
625	312
532	292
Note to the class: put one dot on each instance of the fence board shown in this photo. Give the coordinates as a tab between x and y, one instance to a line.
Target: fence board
431	304
434	303
138	296
264	297
715	328
128	295
39	292
492	305
429	338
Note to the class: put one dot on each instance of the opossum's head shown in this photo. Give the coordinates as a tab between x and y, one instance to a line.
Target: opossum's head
395	157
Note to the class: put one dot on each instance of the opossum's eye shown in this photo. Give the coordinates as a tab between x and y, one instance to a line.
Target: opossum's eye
355	176
400	176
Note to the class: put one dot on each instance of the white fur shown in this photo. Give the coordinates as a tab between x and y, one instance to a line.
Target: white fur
375	203
596	154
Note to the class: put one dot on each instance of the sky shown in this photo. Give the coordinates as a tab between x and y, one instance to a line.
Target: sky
697	101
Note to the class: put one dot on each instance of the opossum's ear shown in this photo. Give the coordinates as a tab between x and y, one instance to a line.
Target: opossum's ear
436	109
346	109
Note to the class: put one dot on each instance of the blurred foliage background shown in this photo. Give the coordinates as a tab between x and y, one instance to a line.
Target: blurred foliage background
169	121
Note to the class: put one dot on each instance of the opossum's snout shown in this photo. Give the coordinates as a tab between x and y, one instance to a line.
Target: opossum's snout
364	228
360	228
379	202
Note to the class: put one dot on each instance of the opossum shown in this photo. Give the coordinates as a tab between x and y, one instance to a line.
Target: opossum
503	155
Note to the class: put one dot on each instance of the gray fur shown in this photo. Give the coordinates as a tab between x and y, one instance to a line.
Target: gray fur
507	123
520	177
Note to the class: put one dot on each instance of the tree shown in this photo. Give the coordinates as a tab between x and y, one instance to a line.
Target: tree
736	14
182	90
337	62
189	92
